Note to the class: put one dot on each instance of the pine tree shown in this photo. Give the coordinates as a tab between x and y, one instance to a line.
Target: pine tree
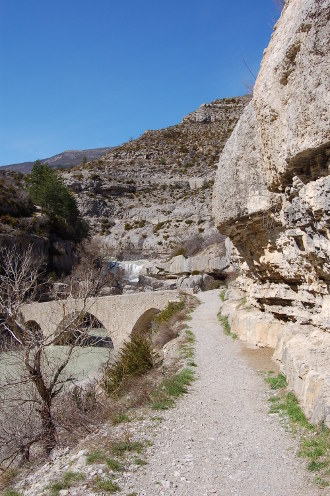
48	190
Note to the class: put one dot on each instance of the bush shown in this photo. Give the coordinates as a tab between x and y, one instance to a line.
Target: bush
172	308
135	358
14	200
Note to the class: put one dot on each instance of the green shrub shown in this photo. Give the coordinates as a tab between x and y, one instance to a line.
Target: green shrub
172	308
134	359
48	190
158	226
178	250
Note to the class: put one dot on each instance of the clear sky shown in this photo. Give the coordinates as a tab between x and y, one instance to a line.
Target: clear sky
81	74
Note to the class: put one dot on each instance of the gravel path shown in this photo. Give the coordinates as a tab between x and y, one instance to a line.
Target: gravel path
220	439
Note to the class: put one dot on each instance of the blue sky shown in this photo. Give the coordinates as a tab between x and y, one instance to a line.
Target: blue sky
91	73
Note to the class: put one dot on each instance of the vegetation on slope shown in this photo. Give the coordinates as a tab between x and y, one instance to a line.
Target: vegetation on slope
48	190
314	439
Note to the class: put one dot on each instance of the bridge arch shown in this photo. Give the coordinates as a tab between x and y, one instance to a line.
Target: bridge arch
144	322
85	324
33	326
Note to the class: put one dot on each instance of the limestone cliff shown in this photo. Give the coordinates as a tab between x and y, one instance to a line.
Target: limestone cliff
272	190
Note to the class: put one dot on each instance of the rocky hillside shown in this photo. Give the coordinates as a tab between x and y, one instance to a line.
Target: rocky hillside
272	198
22	224
152	196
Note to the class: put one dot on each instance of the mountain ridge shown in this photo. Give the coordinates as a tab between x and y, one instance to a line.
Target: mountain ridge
65	159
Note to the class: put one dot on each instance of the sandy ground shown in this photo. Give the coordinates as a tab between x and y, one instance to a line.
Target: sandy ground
220	438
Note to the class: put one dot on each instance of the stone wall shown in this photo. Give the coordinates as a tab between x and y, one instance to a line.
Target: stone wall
302	351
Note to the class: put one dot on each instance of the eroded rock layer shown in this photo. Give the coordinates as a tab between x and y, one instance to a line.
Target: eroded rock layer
272	191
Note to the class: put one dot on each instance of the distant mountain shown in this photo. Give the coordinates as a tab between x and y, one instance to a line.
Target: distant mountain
66	159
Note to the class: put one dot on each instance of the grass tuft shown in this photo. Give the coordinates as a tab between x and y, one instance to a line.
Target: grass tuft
319	481
95	457
190	336
277	382
121	418
119	448
7	478
10	492
102	457
223	295
225	324
68	480
315	440
289	406
114	465
107	485
170	389
172	308
242	302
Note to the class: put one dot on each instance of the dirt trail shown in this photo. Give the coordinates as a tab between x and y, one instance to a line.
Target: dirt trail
220	438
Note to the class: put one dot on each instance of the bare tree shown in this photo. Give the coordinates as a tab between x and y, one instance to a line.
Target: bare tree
279	4
32	379
249	83
19	273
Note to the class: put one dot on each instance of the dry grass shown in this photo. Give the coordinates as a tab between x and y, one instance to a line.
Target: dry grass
8	477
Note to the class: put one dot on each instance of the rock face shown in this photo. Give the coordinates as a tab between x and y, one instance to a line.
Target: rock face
272	190
303	351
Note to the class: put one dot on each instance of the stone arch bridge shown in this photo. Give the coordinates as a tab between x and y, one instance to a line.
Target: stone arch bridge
118	314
